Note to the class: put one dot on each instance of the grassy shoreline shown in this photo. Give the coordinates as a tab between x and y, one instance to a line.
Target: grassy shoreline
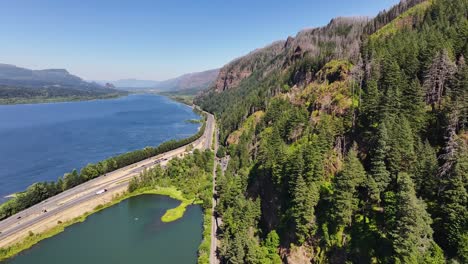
42	100
176	213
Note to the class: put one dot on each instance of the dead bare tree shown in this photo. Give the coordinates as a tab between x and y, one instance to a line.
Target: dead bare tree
449	153
438	74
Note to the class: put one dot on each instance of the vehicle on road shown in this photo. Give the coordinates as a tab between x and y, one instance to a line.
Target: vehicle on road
101	191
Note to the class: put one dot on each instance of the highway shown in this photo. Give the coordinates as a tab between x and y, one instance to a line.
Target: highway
79	199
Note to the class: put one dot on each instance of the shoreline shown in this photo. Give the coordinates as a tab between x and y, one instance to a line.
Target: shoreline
33	239
22	101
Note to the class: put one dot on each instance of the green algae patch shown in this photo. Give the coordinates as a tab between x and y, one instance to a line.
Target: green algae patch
175	213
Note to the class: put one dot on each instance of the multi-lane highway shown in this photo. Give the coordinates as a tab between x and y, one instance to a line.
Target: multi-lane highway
82	198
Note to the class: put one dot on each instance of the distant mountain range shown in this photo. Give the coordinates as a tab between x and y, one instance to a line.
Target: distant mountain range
131	83
14	73
23	85
192	82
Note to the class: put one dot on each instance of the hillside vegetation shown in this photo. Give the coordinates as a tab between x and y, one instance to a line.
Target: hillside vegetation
360	153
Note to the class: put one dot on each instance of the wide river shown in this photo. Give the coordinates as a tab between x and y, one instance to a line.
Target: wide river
40	142
129	232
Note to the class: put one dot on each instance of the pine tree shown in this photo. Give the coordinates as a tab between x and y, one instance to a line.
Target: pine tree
371	103
313	161
304	201
390	85
452	222
400	156
272	242
378	169
345	201
294	169
425	171
412	236
413	105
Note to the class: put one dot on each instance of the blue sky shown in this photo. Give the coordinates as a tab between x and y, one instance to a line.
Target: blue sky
154	39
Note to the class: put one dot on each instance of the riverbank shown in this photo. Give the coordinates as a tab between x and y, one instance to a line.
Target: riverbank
42	100
180	96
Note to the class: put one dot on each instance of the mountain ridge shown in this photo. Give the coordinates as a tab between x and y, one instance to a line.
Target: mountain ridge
19	85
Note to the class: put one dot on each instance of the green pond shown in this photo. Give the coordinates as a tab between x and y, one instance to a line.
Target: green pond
128	232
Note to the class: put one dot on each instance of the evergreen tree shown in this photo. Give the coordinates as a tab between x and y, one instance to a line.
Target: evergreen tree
390	85
425	171
294	169
313	161
345	200
272	243
412	237
304	201
413	105
378	169
371	103
400	156
452	223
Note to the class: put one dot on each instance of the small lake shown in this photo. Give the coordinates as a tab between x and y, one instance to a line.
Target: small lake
129	232
40	142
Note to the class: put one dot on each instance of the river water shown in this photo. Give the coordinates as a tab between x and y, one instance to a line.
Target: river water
130	232
40	142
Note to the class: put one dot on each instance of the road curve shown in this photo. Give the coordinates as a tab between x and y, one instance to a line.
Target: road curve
18	225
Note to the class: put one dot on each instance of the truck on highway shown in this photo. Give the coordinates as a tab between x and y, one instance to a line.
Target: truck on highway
101	191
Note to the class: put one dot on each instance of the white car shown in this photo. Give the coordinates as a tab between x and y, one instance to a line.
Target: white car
101	191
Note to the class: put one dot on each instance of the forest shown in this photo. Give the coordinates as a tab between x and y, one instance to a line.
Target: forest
39	192
366	161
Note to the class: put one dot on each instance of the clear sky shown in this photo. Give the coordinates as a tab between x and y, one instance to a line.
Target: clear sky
155	39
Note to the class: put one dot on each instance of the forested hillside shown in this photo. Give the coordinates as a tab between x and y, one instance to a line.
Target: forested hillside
348	143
